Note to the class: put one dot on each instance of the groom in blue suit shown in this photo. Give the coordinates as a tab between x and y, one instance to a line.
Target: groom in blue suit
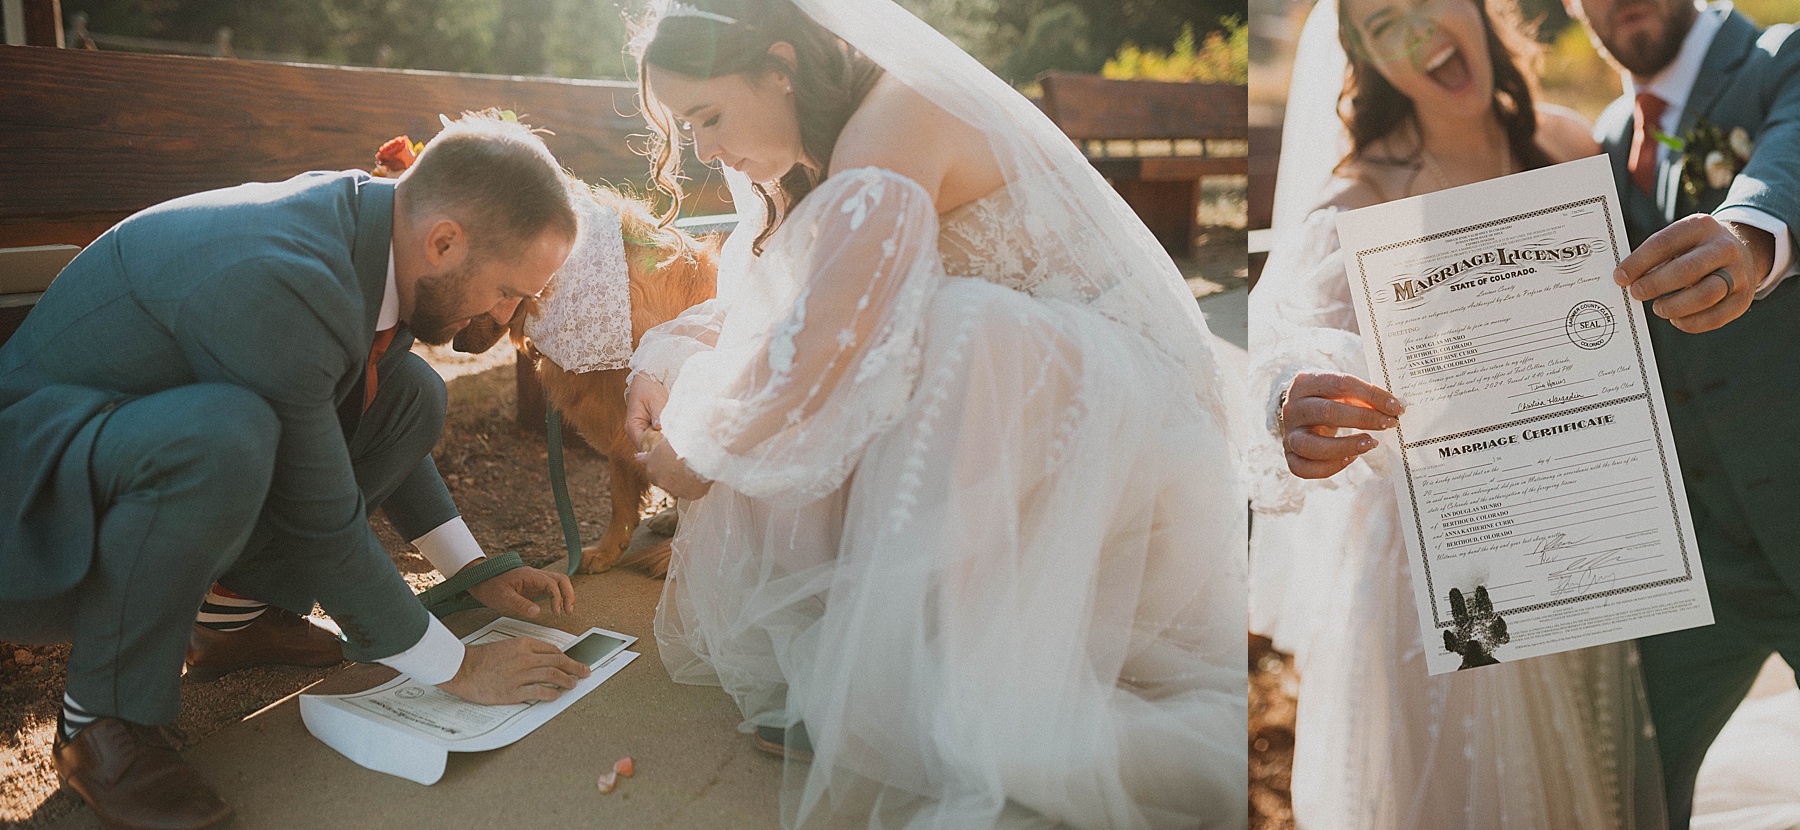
219	390
1726	329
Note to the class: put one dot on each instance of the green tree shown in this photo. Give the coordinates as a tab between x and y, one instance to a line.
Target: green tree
570	38
1056	38
584	38
1020	39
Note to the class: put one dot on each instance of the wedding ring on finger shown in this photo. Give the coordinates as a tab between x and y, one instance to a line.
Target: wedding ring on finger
1730	285
1281	415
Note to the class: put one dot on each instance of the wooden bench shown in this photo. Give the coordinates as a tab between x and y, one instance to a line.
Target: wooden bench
1155	141
25	272
89	138
1265	157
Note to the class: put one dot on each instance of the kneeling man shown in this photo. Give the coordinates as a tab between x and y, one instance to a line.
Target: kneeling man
219	389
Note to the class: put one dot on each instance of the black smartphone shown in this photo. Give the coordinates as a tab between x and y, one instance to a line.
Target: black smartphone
594	649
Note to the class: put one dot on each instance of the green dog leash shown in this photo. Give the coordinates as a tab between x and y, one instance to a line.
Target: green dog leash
452	595
559	488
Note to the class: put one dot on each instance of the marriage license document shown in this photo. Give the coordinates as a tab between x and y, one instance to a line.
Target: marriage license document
1540	498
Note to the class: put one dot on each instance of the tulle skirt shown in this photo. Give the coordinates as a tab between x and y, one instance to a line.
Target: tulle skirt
1023	609
1560	741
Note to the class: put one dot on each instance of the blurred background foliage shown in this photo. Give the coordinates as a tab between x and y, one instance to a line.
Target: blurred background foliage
1223	58
1571	71
1018	39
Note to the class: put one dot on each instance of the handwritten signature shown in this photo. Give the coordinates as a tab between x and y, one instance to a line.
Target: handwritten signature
1552	400
1584	572
1554	542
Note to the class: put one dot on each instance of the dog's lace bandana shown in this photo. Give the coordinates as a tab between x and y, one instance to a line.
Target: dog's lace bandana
583	321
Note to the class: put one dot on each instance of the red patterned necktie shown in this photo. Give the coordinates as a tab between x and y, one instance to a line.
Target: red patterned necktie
1650	111
382	339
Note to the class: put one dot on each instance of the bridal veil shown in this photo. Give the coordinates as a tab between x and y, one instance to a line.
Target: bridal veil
981	539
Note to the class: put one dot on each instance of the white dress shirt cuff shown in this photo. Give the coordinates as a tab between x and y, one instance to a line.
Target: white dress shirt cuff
1782	266
433	660
449	547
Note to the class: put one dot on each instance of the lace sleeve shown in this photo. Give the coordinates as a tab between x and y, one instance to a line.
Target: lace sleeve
1301	321
663	350
822	348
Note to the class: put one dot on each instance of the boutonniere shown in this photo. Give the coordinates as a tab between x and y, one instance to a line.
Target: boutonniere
1710	157
395	156
401	151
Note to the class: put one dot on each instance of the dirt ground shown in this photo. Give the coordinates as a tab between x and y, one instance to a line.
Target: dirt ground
1220	261
1273	684
499	478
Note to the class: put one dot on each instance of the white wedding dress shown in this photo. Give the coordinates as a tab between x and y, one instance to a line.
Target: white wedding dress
1562	741
982	541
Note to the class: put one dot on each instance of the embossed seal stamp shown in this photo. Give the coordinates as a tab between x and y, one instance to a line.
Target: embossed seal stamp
1589	324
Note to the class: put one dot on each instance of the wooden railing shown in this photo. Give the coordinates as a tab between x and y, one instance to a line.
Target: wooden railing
1155	141
88	138
91	137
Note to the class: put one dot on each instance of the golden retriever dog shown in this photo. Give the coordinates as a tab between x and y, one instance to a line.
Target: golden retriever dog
670	272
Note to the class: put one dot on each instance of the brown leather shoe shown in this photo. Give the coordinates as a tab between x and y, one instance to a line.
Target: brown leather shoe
133	779
279	637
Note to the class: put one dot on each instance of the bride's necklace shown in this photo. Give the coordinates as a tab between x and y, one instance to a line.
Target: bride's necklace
1443	180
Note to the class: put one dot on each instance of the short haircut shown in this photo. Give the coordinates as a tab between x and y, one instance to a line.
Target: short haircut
497	179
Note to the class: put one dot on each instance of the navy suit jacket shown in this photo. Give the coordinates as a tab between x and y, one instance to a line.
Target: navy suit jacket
274	287
1734	393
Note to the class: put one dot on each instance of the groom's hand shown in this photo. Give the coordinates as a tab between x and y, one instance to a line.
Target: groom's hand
1676	266
514	671
516	591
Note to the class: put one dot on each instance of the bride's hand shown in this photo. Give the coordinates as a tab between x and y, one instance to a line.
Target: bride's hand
1317	406
644	401
668	472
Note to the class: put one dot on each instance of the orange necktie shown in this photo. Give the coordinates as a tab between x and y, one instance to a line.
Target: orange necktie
1650	111
376	350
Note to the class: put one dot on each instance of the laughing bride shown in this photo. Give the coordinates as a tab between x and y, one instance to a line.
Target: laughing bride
1432	98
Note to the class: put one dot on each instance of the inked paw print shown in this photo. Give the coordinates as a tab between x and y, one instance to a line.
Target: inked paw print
1479	631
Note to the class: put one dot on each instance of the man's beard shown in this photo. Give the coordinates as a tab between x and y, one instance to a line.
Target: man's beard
1644	55
436	301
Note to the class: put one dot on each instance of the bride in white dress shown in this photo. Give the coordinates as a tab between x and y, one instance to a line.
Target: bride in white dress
1551	742
960	521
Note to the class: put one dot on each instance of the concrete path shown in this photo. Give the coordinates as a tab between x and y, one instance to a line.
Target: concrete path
1228	316
694	769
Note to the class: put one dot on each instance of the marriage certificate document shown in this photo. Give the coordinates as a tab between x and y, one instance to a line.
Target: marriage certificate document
405	728
1540	499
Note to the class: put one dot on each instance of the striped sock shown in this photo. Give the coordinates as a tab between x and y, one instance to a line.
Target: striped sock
226	611
74	717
